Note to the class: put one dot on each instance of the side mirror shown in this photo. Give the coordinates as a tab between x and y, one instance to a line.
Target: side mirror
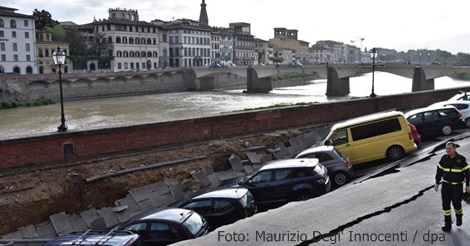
328	142
252	182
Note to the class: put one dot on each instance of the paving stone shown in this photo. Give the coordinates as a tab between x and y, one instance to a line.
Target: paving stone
201	176
229	174
253	157
215	182
130	202
282	152
208	170
46	230
141	193
61	223
236	163
171	181
249	168
161	187
109	216
78	223
89	215
177	192
13	235
98	224
29	232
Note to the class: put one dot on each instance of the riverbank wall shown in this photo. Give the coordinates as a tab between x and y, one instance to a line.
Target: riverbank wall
70	147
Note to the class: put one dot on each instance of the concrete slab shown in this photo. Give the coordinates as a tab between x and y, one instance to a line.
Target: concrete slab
98	224
266	158
78	223
256	167
61	223
141	193
171	181
125	216
46	230
89	215
253	157
13	235
282	152
298	142
236	163
215	182
208	170
201	176
109	216
161	187
229	174
167	199
130	202
249	168
177	192
29	232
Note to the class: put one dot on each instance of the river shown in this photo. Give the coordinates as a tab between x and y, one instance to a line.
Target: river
131	110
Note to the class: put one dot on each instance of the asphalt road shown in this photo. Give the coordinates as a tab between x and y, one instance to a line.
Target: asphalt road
394	207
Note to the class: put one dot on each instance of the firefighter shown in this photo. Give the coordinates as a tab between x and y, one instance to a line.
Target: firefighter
452	171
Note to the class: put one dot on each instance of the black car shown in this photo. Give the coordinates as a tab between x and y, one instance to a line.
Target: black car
435	120
164	226
221	206
287	180
112	238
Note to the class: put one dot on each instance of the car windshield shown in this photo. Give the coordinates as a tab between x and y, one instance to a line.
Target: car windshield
242	180
194	223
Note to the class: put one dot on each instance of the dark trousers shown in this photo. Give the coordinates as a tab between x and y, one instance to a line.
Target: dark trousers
452	193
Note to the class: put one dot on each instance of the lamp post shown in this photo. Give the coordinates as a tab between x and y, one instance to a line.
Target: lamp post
419	58
59	59
429	55
373	55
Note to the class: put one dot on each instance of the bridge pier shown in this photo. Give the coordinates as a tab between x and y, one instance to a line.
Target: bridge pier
420	83
257	85
334	85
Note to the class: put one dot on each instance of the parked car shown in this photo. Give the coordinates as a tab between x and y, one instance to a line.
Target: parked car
295	64
111	238
462	106
339	167
286	180
461	96
415	134
436	120
221	206
163	226
372	137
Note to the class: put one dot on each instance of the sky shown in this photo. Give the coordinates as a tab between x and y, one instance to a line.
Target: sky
397	24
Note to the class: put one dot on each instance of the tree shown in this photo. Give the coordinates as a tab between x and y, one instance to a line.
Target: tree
43	19
99	45
77	43
58	33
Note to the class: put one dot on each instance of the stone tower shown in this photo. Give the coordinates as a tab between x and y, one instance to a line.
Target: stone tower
203	19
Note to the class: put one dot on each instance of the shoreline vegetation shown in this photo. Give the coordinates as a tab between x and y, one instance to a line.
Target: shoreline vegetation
15	103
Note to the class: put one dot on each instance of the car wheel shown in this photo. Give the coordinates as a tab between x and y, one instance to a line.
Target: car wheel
395	153
303	196
467	122
340	178
446	130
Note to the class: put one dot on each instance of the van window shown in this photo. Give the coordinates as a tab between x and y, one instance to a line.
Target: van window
375	129
340	137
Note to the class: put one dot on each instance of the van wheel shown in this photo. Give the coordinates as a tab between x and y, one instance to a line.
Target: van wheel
340	178
446	130
395	153
303	196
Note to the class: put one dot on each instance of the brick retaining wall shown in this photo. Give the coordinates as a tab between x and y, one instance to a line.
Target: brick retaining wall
70	146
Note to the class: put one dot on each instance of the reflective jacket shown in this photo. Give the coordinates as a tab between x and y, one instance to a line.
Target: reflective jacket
453	170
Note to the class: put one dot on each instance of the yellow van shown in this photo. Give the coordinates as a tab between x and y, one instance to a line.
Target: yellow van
372	137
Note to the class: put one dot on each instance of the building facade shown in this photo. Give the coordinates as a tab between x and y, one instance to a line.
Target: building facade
243	44
134	44
45	47
17	42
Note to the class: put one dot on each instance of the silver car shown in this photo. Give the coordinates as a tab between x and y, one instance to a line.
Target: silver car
339	167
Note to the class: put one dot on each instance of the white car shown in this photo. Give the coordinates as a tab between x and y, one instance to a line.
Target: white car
461	96
462	105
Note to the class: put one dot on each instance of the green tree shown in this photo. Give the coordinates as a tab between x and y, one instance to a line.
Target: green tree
77	43
99	45
43	19
58	33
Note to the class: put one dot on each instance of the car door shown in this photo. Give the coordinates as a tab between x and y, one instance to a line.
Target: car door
430	122
342	143
260	185
282	184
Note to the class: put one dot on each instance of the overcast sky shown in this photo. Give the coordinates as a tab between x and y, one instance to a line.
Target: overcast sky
397	24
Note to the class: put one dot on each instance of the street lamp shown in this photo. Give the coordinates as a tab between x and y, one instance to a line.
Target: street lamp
59	59
429	55
373	55
419	58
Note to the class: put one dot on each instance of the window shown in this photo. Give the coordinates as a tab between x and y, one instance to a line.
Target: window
448	112
28	57
27	47
138	227
15	47
221	206
15	57
375	129
2	34
2	46
4	57
26	35
13	24
430	116
2	23
13	34
415	119
283	174
26	23
262	177
201	207
340	137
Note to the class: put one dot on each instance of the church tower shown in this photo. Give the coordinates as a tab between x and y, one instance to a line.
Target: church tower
203	19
